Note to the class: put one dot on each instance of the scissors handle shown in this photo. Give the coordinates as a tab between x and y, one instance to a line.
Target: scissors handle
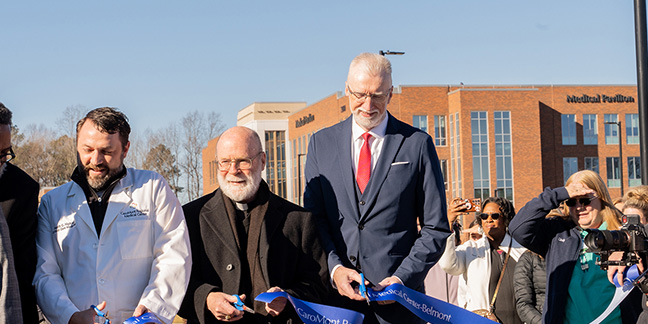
363	288
242	307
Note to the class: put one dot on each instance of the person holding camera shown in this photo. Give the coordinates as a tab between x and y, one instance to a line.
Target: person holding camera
573	278
487	264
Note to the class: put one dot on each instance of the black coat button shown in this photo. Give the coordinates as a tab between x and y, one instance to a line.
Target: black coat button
362	202
360	226
352	258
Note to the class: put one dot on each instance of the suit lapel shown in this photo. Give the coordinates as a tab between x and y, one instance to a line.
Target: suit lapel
392	143
345	160
215	216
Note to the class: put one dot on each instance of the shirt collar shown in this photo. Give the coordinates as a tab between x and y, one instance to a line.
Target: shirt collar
377	132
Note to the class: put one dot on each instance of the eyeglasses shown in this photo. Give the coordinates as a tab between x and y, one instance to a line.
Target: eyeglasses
494	216
377	97
239	164
585	201
7	155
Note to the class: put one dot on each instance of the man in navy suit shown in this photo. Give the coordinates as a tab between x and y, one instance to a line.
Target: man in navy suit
369	178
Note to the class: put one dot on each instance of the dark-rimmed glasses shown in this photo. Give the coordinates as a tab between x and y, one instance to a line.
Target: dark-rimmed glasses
239	164
494	216
362	97
7	155
584	201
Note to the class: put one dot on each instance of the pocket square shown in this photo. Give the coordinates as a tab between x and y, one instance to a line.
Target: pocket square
400	163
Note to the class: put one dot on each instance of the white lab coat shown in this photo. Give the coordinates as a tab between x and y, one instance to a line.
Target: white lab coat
471	260
142	256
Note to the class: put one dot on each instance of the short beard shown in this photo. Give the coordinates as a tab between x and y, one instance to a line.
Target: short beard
368	123
240	194
100	183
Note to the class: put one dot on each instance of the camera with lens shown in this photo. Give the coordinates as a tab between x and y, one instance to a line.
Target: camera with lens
631	239
472	205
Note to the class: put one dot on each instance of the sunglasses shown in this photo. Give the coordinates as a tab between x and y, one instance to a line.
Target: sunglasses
494	216
585	201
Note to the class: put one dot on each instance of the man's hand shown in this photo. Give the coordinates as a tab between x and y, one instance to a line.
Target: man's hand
277	305
343	277
383	284
220	304
86	316
140	310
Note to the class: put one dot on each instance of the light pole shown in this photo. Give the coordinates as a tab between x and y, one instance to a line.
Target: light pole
388	52
618	123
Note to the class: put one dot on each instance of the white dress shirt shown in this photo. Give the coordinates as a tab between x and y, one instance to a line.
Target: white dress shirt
375	142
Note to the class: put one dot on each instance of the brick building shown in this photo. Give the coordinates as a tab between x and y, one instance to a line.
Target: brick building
508	141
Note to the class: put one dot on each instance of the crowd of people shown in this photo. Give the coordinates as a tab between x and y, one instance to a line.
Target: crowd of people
117	239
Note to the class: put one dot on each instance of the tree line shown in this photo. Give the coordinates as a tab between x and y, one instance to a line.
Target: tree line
48	154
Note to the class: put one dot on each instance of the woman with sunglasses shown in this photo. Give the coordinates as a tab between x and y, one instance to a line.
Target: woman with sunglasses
480	262
577	289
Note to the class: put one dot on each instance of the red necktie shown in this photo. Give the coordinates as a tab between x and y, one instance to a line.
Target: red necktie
364	164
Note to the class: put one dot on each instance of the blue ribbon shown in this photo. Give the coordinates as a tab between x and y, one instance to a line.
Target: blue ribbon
312	313
146	318
427	308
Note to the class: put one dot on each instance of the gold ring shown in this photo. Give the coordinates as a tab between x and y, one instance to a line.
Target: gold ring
227	317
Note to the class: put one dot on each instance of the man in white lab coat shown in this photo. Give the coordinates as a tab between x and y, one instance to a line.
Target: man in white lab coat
112	237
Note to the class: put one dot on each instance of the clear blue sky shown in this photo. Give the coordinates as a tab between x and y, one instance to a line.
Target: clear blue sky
156	60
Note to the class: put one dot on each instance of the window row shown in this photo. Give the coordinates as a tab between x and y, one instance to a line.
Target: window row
421	122
611	128
570	166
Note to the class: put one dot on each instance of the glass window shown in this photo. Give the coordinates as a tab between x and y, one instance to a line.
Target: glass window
570	166
276	162
444	171
634	171
613	178
568	129
632	129
481	172
591	163
590	131
420	122
503	155
611	130
439	131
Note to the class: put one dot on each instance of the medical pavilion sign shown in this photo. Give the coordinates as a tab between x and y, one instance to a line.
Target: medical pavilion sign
601	98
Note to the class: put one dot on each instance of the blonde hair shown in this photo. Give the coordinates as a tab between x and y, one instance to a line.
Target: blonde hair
637	197
593	181
557	212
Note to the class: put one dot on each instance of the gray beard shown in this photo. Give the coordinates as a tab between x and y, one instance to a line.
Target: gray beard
244	194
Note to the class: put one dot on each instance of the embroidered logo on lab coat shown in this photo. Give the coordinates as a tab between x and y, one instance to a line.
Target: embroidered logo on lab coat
64	226
134	211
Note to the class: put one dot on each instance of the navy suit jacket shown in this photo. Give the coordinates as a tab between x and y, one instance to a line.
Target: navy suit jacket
378	228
